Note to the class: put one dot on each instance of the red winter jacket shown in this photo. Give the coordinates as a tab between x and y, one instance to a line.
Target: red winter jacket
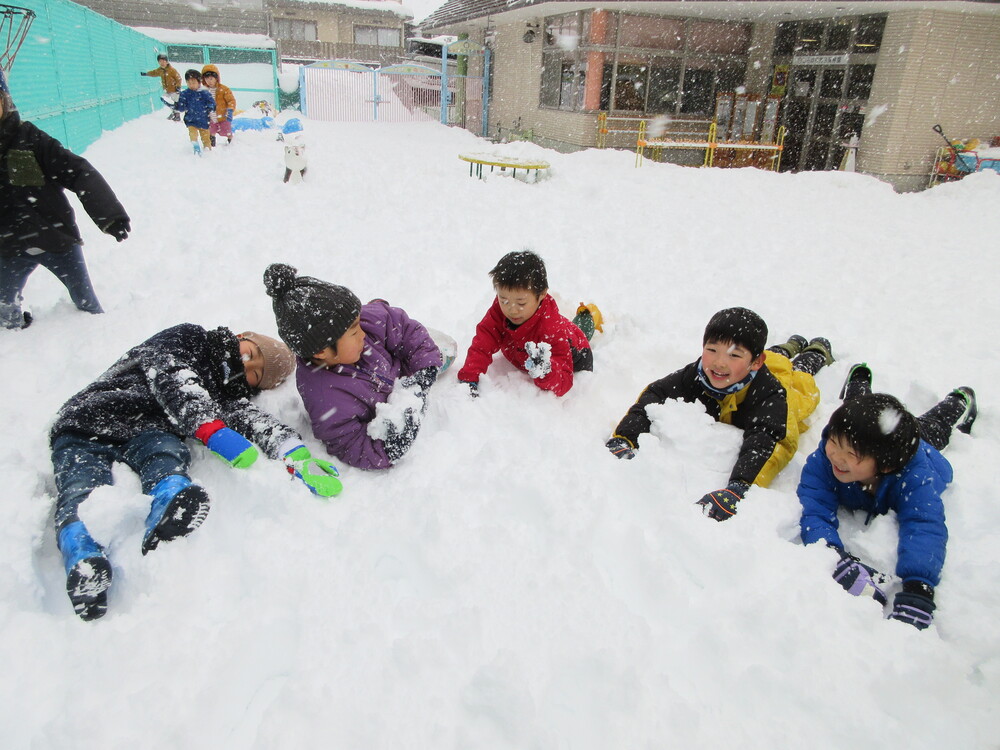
495	333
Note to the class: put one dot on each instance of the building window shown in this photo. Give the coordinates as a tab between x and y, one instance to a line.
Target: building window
860	81
376	36
294	30
869	34
640	62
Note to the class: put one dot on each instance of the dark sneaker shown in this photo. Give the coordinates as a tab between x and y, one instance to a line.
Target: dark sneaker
88	572
965	420
178	508
857	383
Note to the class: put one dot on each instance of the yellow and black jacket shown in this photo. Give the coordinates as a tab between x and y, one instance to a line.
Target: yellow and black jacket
770	410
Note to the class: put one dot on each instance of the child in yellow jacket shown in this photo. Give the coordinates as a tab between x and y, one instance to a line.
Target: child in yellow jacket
225	104
170	79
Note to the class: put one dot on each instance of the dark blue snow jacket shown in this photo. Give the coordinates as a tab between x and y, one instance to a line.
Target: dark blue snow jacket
174	381
914	493
196	104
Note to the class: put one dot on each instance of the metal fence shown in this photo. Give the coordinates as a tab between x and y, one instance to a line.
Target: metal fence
77	73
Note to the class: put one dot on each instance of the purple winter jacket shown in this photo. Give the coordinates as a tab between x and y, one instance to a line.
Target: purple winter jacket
341	400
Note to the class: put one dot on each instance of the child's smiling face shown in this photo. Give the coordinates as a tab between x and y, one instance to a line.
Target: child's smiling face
726	363
194	84
518	305
848	465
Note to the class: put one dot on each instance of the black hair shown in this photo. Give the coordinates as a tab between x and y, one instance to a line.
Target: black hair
740	326
192	73
162	57
877	426
521	269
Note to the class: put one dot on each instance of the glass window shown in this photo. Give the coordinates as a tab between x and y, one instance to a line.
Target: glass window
784	39
376	36
860	85
816	158
630	88
833	84
810	36
294	29
802	84
699	96
720	38
731	76
823	124
224	55
651	32
838	36
607	76
551	79
664	85
562	30
869	34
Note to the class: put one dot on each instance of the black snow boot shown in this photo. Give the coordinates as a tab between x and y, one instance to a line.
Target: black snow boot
816	355
792	347
857	383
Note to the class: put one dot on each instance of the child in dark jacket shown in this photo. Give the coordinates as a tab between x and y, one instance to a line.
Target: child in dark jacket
525	325
767	394
37	225
183	382
364	371
876	456
197	104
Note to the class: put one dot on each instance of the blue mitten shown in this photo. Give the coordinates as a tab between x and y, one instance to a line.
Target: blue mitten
721	504
228	444
229	115
914	605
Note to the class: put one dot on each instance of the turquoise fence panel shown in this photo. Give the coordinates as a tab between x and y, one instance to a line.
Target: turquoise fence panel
77	73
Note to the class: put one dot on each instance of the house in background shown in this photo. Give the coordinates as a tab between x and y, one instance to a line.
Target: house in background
884	71
367	31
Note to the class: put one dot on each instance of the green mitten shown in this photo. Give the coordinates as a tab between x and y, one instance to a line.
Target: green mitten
321	477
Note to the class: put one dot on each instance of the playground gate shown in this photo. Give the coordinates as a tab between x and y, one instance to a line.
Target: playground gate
345	91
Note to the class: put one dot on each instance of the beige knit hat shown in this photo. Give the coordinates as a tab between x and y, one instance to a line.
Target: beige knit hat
279	362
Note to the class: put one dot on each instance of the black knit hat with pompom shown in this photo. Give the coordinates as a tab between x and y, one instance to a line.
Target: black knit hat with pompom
311	314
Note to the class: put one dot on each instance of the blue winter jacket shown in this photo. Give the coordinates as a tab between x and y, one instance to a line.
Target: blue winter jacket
914	493
196	104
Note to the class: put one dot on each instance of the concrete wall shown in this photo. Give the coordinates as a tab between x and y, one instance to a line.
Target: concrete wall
934	67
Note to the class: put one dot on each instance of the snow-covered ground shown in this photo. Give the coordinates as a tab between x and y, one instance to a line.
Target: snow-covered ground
509	584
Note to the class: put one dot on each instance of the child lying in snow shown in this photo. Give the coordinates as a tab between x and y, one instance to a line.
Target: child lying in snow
183	382
352	360
767	394
524	323
876	456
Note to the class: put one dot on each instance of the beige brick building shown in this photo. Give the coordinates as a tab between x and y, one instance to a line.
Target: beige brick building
826	70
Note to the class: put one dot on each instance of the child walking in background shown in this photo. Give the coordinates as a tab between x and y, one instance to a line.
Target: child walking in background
197	105
171	81
37	225
767	394
183	382
875	456
225	104
357	364
525	325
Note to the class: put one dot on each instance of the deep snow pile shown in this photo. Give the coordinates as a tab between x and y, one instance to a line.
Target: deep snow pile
509	584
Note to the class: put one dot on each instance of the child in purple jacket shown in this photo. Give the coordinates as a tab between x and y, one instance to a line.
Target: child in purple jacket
363	370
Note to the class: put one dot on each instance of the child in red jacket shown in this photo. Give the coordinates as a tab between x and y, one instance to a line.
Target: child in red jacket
524	323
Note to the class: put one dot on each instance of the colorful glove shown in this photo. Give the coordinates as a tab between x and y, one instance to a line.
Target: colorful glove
318	475
228	444
397	442
914	605
539	361
721	504
473	388
859	579
229	115
118	228
620	448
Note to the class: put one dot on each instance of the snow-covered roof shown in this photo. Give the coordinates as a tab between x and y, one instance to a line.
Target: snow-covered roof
220	38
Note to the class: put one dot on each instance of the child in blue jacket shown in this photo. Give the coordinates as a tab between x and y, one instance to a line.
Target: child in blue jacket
196	103
875	456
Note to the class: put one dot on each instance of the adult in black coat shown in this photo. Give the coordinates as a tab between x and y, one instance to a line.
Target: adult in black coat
38	226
